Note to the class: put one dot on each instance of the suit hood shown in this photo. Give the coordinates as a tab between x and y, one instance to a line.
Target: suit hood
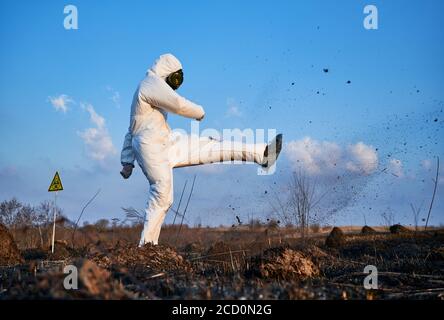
165	65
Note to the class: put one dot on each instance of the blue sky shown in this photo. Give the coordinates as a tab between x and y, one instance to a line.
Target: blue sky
251	64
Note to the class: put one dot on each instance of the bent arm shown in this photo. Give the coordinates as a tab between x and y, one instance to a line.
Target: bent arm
162	96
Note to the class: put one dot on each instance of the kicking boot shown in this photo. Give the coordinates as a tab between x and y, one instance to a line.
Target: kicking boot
272	151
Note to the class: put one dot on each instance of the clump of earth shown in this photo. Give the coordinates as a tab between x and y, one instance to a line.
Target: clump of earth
9	253
283	263
335	239
397	228
368	230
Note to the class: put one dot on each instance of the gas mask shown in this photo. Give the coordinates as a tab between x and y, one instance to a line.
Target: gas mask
175	79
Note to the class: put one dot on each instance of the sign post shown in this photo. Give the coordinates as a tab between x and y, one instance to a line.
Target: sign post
55	186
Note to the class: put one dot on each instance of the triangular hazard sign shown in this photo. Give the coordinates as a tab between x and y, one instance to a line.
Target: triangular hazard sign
56	184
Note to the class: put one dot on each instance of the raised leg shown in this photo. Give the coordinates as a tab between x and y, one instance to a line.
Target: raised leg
186	151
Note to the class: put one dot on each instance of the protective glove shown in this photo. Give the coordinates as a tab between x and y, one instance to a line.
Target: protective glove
127	170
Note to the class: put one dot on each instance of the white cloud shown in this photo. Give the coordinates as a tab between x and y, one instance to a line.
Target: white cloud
61	102
115	97
98	142
312	155
396	168
364	158
233	109
326	157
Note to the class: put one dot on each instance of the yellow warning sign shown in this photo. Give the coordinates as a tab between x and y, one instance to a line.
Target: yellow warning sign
56	184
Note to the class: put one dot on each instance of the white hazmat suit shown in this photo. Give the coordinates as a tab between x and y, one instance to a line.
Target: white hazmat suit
150	141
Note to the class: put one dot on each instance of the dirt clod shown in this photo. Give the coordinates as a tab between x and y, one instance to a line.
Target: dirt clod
283	263
9	253
368	230
335	239
97	282
397	228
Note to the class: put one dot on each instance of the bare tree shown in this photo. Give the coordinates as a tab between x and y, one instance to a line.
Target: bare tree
299	208
303	200
9	210
22	218
416	212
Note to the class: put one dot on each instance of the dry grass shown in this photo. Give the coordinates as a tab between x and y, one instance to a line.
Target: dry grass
239	262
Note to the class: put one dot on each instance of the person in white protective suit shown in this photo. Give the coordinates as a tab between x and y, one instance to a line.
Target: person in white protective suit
150	141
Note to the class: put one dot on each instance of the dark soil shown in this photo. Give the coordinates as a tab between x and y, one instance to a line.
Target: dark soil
410	266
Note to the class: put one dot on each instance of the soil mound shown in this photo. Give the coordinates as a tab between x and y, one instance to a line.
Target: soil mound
147	259
284	264
335	239
368	230
97	282
9	253
221	251
397	229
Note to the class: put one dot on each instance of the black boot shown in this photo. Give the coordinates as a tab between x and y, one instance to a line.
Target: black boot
272	151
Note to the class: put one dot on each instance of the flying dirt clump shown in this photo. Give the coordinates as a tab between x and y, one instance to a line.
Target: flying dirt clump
368	230
283	264
9	253
335	239
397	229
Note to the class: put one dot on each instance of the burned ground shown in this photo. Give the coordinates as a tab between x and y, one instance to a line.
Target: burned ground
251	264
